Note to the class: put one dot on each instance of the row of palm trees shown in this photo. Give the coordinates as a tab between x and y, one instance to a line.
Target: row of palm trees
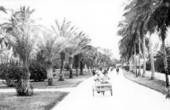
144	17
29	41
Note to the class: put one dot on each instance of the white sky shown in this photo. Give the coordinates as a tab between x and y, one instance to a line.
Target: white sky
97	18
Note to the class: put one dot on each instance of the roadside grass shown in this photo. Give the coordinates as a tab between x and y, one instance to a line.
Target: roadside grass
155	84
73	82
39	101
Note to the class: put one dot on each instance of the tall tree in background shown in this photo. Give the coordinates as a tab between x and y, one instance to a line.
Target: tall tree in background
51	47
78	43
65	30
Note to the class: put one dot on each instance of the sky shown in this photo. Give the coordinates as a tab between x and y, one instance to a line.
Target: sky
97	18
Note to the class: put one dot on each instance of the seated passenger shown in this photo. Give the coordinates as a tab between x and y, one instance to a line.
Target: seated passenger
105	78
98	77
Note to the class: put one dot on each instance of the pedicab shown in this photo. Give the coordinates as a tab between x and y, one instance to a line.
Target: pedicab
101	86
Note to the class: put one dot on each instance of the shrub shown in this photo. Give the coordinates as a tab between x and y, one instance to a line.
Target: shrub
37	71
148	65
159	65
3	70
66	66
12	74
56	64
126	68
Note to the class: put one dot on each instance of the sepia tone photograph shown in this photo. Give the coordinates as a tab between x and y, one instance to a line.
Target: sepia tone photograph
84	54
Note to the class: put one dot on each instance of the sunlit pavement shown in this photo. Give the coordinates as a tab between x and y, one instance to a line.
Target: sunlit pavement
127	95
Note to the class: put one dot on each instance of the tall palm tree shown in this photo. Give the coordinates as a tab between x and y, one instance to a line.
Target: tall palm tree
20	35
65	30
128	44
139	11
77	45
159	20
51	47
90	55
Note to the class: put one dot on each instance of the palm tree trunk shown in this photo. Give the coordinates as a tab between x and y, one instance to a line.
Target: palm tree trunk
50	75
131	65
144	57
152	58
135	59
139	73
165	64
23	86
71	66
61	76
77	70
81	68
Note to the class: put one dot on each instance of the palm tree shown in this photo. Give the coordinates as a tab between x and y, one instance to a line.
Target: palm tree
20	35
51	46
159	19
128	44
89	56
65	30
77	44
139	11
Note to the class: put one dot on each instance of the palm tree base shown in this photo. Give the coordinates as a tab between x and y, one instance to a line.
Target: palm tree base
81	72
167	80
24	88
71	74
50	82
143	75
152	78
61	79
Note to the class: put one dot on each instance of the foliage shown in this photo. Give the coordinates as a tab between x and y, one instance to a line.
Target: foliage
126	68
37	71
3	69
148	65
66	65
11	73
56	65
159	64
76	60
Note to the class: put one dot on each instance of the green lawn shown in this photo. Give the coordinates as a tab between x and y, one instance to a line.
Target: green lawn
40	100
58	84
